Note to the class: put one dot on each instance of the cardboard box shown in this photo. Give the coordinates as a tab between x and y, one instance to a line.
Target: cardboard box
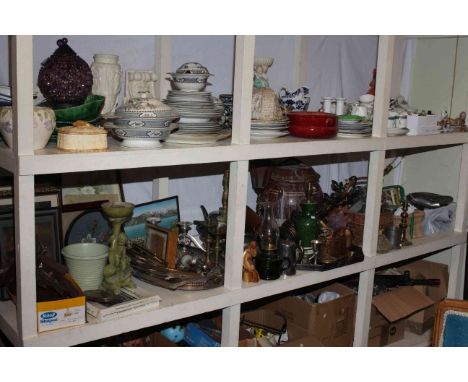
297	336
422	125
331	322
386	334
424	320
52	315
389	312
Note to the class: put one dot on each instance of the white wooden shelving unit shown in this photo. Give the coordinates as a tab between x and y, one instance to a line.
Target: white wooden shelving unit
19	322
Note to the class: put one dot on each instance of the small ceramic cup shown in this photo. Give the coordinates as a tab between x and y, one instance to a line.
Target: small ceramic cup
327	104
340	104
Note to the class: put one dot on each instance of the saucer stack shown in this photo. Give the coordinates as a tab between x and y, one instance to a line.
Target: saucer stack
269	129
200	113
353	126
5	95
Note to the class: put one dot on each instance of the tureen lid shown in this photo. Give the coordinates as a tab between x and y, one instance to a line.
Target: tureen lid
143	104
192	68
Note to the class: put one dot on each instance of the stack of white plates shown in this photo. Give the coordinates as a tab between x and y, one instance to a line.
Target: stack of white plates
269	129
200	113
393	132
354	128
5	95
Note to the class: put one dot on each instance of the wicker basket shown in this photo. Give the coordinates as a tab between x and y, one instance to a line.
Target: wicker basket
356	224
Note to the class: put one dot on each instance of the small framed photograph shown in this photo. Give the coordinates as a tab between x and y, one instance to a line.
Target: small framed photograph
90	187
165	210
162	242
48	233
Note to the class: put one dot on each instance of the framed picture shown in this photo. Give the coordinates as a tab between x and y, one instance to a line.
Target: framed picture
393	196
96	186
165	210
46	195
87	225
48	233
162	242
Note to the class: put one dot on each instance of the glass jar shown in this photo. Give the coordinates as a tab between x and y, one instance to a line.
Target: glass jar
268	230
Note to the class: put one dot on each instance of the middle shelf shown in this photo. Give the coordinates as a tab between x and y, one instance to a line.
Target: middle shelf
52	160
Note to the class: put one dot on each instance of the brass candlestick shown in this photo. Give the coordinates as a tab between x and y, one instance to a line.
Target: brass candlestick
404	224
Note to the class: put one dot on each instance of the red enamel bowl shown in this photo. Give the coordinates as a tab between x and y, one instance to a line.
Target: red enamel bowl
313	124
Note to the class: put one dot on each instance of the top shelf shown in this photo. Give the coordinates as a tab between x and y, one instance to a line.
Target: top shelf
52	160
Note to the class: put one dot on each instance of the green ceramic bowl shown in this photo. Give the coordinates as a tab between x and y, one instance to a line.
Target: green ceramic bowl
350	117
118	209
88	111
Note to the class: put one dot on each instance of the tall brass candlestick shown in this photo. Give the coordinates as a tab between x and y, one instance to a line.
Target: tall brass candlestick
404	224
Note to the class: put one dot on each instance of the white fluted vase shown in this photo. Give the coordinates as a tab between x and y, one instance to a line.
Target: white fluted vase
106	79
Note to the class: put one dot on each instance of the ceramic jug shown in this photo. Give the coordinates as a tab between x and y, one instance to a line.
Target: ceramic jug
295	100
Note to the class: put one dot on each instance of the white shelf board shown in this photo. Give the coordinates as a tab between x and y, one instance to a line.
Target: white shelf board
420	247
175	305
407	141
52	160
254	291
294	146
414	340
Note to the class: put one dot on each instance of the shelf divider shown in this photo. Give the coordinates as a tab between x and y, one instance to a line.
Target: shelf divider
383	85
243	84
363	308
230	326
25	255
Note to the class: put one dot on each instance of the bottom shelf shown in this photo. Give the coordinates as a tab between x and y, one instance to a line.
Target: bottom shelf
414	340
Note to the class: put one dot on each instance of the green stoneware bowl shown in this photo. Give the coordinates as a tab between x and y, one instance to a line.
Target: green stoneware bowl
117	209
88	111
350	117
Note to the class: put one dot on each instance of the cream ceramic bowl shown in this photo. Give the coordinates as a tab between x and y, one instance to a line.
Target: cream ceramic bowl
43	125
86	262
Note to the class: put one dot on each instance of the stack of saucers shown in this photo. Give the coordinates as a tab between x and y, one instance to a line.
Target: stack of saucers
5	95
200	113
269	129
353	126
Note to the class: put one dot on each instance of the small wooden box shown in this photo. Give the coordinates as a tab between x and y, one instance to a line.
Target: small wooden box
356	222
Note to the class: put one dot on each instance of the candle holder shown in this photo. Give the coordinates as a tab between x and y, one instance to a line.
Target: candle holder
404	224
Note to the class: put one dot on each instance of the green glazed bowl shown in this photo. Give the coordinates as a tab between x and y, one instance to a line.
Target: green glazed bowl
350	117
118	209
88	111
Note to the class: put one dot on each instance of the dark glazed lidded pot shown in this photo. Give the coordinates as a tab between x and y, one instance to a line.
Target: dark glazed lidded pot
65	79
286	189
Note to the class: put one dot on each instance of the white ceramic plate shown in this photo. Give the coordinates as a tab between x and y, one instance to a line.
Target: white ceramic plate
197	139
282	127
396	132
344	135
268	134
